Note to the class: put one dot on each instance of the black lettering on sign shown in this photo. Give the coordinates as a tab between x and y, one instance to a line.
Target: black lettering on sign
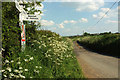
31	16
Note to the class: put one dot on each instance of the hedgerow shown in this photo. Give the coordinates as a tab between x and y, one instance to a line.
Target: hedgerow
10	29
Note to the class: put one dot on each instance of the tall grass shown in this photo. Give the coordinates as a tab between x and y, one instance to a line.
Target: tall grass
48	56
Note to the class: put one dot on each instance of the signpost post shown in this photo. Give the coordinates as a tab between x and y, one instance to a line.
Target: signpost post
23	16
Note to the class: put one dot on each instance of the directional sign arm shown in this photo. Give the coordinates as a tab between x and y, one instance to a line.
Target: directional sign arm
20	8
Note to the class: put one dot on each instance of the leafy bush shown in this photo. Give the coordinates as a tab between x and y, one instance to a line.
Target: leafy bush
10	29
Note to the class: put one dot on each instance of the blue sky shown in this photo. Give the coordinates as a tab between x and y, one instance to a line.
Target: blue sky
72	18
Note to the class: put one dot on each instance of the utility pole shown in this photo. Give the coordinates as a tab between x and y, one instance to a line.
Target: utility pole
83	32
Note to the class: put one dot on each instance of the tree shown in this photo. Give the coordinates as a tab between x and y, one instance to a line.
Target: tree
86	34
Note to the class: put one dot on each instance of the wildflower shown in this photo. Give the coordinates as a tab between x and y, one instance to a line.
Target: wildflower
9	69
31	77
3	49
18	62
58	63
4	75
20	68
6	61
12	61
2	70
20	71
28	55
49	55
25	60
16	70
36	71
39	46
16	76
21	76
11	74
26	69
31	58
36	66
38	42
40	67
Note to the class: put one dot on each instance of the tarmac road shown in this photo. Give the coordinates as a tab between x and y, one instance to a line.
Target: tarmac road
95	65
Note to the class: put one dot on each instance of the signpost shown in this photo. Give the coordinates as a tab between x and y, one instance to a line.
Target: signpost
20	7
23	16
32	18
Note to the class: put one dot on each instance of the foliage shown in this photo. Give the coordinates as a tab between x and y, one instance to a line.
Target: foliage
50	56
106	43
86	34
10	29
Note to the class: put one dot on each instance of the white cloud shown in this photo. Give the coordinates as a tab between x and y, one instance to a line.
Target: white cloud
77	0
86	5
94	16
112	13
66	21
105	9
47	23
71	21
101	14
112	21
61	25
83	20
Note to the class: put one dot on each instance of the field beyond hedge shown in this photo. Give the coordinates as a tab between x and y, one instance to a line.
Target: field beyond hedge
47	56
107	44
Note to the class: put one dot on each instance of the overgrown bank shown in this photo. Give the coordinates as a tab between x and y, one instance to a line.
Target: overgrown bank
49	56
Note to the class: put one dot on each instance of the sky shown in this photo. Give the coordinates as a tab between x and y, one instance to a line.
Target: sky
74	18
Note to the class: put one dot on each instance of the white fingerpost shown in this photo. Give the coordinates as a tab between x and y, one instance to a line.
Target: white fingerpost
23	16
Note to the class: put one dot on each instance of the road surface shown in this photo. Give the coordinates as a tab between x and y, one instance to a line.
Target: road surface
95	65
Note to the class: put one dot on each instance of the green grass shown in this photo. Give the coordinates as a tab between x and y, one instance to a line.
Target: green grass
48	56
107	44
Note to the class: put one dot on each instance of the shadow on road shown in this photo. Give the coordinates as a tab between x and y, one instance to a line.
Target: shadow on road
99	52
